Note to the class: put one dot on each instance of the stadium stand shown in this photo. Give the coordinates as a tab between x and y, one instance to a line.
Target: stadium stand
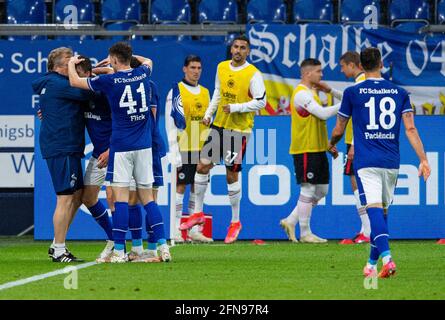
315	11
25	12
269	11
217	12
352	11
402	11
120	15
85	14
441	12
165	11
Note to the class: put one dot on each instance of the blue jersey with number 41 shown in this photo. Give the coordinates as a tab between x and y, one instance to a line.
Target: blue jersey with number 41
376	107
128	93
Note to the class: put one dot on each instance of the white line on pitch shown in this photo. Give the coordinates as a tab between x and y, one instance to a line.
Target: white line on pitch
38	277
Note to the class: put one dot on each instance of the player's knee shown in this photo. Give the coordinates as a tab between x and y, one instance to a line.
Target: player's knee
307	190
203	167
321	191
89	200
180	188
133	198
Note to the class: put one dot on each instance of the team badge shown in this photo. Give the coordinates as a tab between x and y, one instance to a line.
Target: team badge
182	176
231	83
310	175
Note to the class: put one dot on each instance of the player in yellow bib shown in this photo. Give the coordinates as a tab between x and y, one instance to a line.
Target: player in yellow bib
185	146
239	93
309	143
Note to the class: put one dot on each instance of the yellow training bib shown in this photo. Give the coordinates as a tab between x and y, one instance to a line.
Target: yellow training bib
195	133
234	89
308	133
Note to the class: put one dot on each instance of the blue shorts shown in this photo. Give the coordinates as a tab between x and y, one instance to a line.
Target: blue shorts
66	173
157	171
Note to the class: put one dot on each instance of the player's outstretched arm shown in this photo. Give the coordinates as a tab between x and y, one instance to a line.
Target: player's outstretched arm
305	100
415	141
75	80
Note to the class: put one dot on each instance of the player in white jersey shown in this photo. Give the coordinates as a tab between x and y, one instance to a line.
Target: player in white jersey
377	108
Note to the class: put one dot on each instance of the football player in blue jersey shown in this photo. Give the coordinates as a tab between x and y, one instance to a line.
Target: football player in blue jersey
97	115
377	108
127	91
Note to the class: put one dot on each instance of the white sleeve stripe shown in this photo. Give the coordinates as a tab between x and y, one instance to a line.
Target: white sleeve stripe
343	115
89	84
407	110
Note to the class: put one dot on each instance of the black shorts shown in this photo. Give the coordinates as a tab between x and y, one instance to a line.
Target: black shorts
186	174
348	169
227	145
311	168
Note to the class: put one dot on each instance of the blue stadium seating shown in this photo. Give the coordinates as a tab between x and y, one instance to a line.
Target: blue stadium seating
266	11
352	10
85	10
85	14
25	12
170	10
408	10
320	11
120	15
412	27
117	10
441	12
221	11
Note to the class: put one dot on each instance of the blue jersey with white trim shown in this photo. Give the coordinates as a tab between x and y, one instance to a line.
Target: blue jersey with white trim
97	115
159	146
376	107
128	93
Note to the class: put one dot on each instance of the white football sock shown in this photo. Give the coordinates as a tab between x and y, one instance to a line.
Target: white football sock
191	208
366	224
179	206
235	199
293	217
201	183
137	249
386	259
304	208
59	249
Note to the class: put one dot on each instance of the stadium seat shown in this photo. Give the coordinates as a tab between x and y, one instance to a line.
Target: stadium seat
441	12
222	11
319	11
85	14
170	10
351	11
266	11
25	12
402	10
85	10
412	27
120	15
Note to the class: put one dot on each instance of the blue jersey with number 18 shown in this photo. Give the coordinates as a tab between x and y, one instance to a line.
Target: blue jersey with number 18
376	107
128	93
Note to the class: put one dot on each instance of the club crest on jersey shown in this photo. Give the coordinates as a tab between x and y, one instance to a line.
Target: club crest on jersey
231	83
302	112
198	105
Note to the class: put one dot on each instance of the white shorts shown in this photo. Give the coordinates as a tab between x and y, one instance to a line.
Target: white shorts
132	164
93	175
377	185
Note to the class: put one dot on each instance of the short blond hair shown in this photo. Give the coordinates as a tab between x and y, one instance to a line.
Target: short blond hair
56	55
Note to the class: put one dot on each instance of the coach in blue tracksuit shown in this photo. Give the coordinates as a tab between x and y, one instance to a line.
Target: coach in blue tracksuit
62	143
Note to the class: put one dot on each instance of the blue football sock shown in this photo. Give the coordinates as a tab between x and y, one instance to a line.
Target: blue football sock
100	214
135	224
379	229
374	253
152	243
120	224
154	222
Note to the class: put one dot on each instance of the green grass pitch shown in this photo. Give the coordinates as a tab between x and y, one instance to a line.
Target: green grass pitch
277	270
